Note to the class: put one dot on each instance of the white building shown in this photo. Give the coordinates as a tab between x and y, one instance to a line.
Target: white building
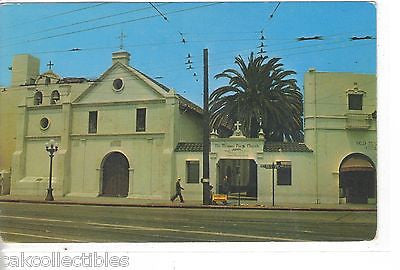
127	135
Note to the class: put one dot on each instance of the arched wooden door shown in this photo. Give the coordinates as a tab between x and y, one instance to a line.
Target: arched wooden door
115	180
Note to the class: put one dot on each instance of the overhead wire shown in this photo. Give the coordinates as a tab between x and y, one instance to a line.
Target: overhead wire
292	41
58	14
273	12
139	45
159	12
184	91
290	48
334	48
328	49
229	52
230	57
190	41
79	49
315	51
189	63
111	24
83	22
275	50
174	68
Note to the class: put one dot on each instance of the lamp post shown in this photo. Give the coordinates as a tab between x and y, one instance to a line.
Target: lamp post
51	147
238	175
272	166
273	183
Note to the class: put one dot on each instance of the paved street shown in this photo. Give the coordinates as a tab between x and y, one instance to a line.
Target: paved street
25	222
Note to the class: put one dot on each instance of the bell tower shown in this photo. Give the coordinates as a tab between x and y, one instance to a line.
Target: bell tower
25	69
121	56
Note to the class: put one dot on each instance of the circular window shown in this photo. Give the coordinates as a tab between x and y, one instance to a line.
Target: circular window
118	84
44	123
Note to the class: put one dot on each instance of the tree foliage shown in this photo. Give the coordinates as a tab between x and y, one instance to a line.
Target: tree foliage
260	94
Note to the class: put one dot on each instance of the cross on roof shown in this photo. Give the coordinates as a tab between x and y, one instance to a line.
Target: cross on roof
237	126
50	65
121	39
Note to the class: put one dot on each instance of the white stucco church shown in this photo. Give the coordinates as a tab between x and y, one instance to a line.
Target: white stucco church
127	135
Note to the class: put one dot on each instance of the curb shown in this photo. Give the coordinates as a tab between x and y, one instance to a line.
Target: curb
230	207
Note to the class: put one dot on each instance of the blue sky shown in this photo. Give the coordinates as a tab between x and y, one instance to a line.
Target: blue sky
226	29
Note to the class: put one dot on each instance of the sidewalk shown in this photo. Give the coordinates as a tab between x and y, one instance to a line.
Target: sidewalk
233	204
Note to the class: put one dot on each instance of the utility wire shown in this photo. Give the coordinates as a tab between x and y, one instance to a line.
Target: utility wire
85	21
159	12
273	12
189	63
291	41
290	48
327	49
172	70
162	68
307	52
294	41
222	58
112	24
58	14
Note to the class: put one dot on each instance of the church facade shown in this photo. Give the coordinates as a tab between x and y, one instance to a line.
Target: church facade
126	135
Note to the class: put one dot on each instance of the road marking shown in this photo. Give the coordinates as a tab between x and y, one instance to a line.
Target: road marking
41	236
188	238
39	219
119	226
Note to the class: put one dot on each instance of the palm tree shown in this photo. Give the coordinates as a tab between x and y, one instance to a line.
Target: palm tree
259	95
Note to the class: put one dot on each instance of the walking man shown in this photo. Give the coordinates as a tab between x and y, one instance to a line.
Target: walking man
178	188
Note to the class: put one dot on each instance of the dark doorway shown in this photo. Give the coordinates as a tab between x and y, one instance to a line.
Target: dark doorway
237	177
357	179
115	181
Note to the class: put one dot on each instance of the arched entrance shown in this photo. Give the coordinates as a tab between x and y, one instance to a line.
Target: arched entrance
357	178
115	177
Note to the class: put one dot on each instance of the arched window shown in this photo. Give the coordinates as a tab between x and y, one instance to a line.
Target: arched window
38	98
55	97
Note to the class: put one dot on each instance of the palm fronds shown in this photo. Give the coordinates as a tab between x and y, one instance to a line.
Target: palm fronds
260	93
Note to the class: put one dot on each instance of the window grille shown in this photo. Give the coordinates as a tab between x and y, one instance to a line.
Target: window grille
284	173
141	119
93	122
192	171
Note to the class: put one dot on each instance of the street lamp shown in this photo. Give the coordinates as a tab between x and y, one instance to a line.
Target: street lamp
51	147
273	183
238	175
272	166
